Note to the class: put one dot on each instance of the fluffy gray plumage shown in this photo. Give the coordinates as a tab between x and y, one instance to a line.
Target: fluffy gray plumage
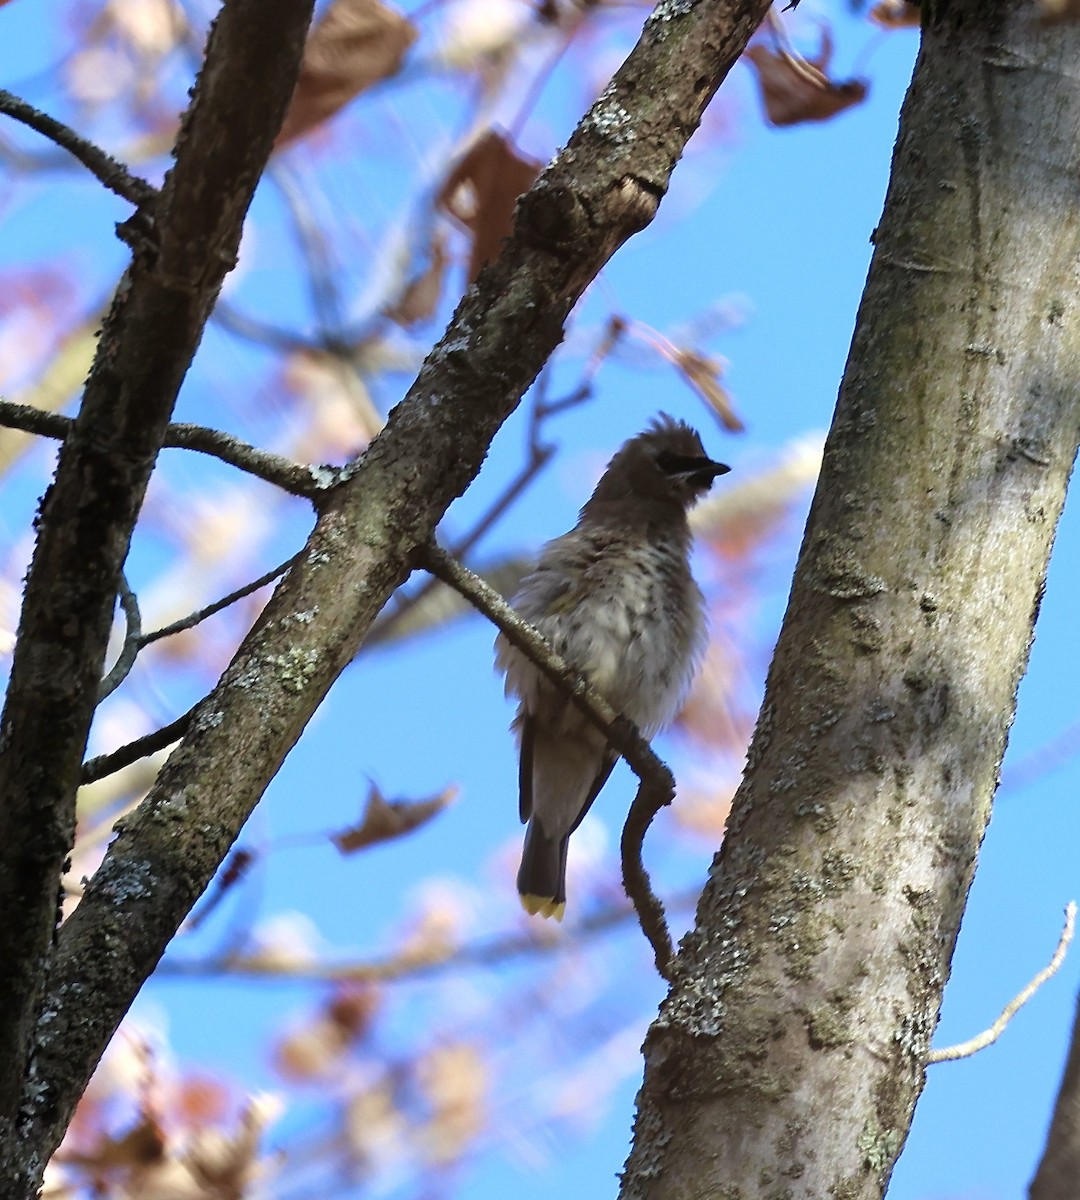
616	599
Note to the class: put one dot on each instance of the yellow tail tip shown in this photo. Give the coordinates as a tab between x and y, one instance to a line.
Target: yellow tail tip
543	906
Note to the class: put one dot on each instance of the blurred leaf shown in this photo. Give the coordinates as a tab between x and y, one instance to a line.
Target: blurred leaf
481	191
1053	11
455	1081
421	295
57	384
144	1143
355	44
896	14
703	375
385	819
797	90
740	514
374	1128
228	1165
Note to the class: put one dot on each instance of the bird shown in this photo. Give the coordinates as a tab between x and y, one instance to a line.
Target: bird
616	599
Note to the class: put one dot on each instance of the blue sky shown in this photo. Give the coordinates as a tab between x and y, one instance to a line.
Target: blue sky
780	221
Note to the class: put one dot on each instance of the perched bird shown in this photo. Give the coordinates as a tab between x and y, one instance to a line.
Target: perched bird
616	599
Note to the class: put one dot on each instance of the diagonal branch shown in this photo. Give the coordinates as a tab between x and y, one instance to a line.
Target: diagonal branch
656	785
602	189
147	343
114	175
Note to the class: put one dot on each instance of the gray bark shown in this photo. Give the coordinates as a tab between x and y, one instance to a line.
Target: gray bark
185	241
789	1053
1058	1173
600	190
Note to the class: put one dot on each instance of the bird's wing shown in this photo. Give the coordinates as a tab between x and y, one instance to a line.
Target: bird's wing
606	767
525	768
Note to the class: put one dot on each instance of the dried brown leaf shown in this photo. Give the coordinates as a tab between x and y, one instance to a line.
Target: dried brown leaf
794	90
896	14
703	375
420	296
481	191
355	44
385	819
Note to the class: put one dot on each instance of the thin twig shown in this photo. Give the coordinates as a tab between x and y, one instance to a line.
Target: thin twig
325	299
656	785
193	619
292	477
109	764
121	669
991	1035
106	764
262	333
539	457
404	966
114	175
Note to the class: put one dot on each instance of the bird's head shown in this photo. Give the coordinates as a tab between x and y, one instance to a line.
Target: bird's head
665	464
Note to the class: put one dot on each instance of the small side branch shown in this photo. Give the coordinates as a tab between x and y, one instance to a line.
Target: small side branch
114	175
196	618
656	786
132	642
106	764
291	477
991	1035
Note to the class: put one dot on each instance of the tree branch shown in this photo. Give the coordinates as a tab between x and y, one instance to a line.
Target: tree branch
489	953
602	189
656	784
292	477
197	617
132	642
147	342
831	912
150	743
991	1035
114	175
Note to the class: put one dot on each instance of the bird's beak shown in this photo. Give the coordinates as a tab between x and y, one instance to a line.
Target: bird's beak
703	475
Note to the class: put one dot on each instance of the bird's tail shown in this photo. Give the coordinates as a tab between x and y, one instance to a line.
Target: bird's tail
541	878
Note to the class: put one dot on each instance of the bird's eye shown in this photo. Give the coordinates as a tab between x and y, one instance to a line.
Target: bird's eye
681	464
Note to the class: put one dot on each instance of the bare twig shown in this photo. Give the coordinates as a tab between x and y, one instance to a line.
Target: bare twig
325	299
108	764
132	638
114	175
292	477
413	966
33	420
105	764
539	456
991	1035
262	333
193	619
656	785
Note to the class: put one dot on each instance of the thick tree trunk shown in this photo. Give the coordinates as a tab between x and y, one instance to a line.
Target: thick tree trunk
1059	1169
789	1053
